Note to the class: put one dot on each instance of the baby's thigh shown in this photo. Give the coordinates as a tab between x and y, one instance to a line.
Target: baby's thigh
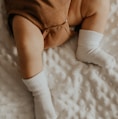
96	15
27	34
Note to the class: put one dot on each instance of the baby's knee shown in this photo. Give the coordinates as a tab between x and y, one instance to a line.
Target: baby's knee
102	7
97	7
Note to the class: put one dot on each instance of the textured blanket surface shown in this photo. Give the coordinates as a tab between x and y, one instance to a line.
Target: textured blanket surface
79	90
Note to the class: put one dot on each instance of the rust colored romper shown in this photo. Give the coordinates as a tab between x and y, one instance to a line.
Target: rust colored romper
49	15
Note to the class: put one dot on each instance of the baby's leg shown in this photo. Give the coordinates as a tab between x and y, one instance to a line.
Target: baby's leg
91	35
30	45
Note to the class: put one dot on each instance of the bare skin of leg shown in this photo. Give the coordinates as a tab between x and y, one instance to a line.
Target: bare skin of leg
30	45
95	17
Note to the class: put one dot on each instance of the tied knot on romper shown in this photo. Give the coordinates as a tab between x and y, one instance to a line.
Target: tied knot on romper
57	34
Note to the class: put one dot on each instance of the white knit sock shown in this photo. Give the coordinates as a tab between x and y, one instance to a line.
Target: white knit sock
42	98
89	49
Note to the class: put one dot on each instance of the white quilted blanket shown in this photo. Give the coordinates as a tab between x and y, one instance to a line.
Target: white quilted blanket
79	90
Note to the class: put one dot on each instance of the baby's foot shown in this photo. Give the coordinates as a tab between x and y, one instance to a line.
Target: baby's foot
89	49
43	105
96	56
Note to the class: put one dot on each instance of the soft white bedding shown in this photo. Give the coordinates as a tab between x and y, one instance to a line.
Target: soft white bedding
79	90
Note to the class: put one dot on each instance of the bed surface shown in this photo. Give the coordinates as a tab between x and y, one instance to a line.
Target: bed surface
79	90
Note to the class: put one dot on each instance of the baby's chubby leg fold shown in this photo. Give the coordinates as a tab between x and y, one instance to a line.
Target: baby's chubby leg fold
30	45
89	49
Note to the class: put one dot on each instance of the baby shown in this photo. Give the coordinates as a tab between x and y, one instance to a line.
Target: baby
41	24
